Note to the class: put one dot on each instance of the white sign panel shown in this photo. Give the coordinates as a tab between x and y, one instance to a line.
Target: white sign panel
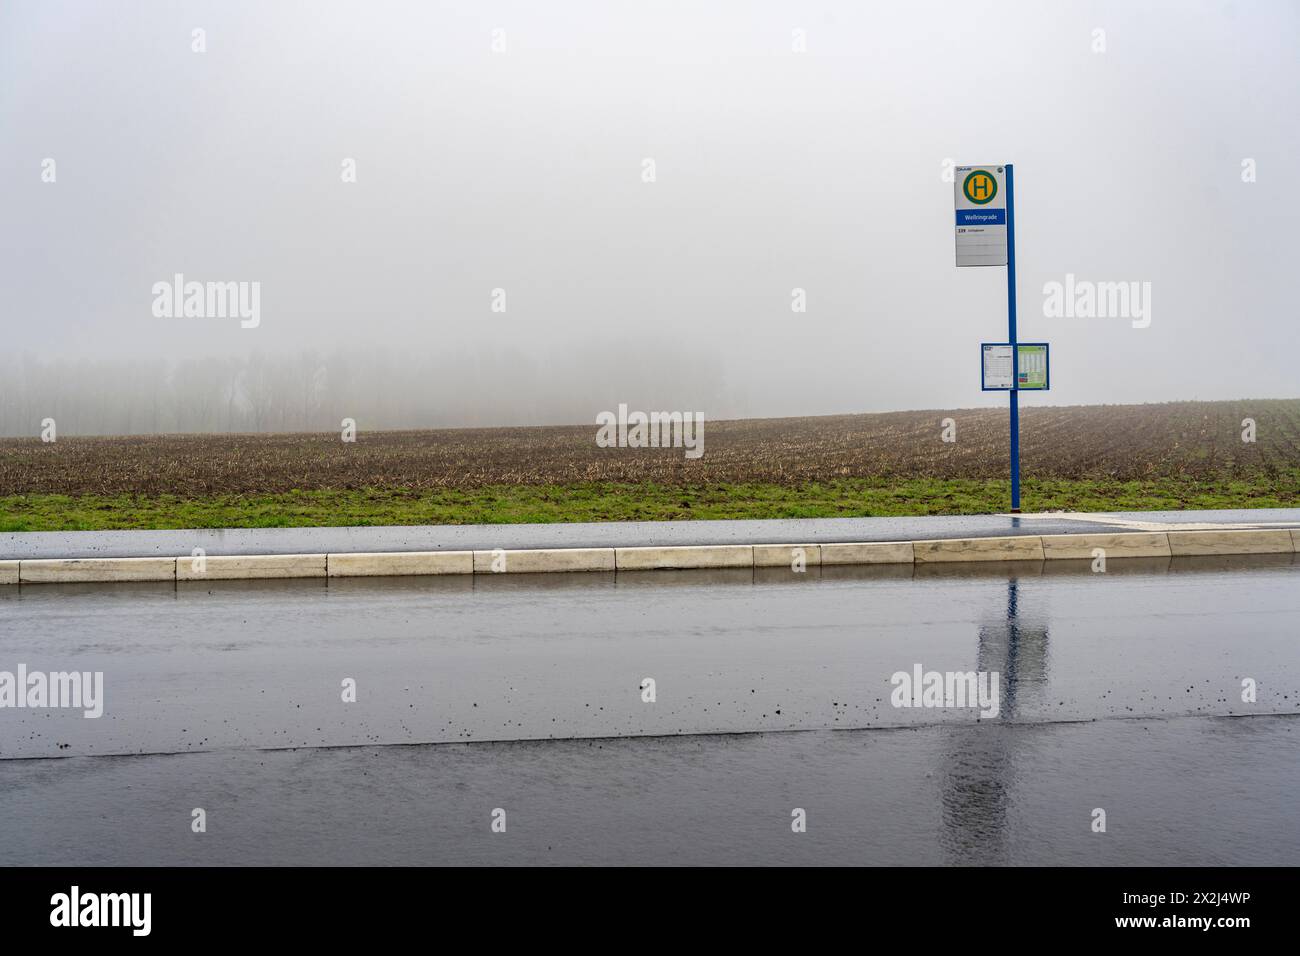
999	368
981	201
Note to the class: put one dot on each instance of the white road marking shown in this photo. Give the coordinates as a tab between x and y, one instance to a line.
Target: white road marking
1157	525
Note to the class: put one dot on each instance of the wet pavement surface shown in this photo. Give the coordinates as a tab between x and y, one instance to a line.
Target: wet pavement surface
1120	690
1176	791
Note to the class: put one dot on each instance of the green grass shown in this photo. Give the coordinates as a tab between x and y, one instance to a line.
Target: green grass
502	504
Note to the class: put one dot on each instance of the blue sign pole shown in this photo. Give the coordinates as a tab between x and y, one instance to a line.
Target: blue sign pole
1011	337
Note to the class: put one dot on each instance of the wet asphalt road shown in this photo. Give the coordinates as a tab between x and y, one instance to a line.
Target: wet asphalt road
1177	791
1119	690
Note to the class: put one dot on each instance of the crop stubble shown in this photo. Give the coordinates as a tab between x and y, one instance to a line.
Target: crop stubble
1124	442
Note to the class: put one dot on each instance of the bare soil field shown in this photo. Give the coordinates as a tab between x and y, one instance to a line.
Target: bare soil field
1118	442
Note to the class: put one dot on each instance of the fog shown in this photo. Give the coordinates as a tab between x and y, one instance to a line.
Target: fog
313	391
501	257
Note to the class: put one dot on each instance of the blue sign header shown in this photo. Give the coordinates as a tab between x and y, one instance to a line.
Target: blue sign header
981	217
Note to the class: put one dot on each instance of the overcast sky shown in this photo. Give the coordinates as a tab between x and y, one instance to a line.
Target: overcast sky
774	170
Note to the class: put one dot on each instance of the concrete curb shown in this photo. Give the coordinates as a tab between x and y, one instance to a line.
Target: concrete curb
1161	544
785	555
79	570
397	563
225	567
695	556
543	560
882	552
1127	544
979	549
1230	542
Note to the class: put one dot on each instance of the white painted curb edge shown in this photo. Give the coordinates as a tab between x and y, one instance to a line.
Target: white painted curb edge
387	564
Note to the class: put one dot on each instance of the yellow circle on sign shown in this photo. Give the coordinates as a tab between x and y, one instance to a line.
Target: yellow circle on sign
980	187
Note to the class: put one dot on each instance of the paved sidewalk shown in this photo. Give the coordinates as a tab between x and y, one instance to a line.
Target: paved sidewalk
253	541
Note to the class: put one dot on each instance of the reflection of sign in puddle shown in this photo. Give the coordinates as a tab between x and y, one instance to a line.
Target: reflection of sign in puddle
1017	650
979	762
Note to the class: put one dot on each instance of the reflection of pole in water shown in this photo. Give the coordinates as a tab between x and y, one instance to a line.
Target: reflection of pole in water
1016	650
979	766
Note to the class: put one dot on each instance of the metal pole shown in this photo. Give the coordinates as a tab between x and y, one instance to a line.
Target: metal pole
1011	335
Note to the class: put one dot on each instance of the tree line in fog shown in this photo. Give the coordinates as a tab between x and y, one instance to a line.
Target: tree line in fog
312	391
